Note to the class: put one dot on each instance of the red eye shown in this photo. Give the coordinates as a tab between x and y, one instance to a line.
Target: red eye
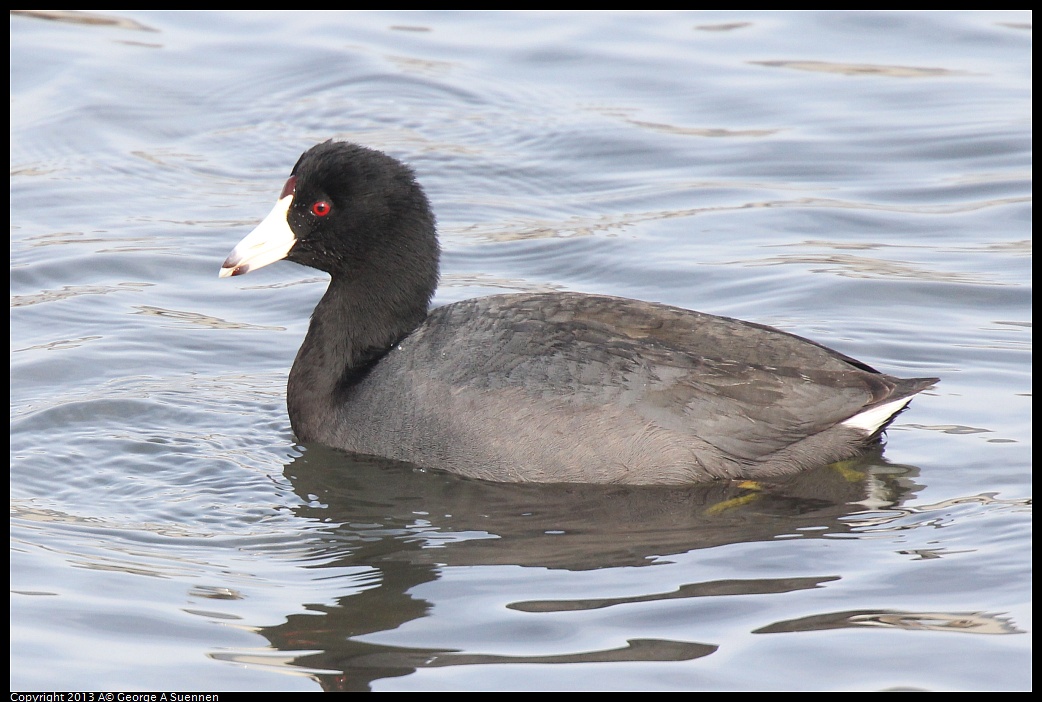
321	208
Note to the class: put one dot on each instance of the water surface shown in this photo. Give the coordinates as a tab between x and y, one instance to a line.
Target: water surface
862	179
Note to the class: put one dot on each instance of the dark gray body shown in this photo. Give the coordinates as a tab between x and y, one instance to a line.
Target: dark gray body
565	387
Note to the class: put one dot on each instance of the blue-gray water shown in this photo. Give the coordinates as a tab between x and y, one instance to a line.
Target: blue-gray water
862	179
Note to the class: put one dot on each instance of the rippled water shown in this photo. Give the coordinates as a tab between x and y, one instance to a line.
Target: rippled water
863	179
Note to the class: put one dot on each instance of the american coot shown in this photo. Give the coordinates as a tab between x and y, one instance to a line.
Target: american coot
542	387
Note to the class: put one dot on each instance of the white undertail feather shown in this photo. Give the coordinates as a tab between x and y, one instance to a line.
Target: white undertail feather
871	420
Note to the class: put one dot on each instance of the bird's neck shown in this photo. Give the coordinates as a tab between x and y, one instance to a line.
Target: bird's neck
352	327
